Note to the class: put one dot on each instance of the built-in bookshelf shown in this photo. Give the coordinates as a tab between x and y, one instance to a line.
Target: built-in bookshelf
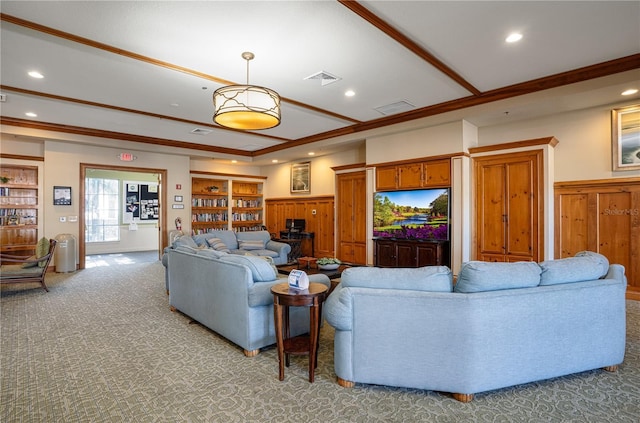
18	209
215	207
247	212
209	205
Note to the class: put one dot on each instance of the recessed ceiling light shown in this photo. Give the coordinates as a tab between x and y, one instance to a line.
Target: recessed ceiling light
349	93
311	153
274	161
630	91
31	114
36	74
514	37
234	161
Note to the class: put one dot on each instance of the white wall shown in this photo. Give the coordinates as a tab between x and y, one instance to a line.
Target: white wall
322	175
12	145
584	148
431	141
62	167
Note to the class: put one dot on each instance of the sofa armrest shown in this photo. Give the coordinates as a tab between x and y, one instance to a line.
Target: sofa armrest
338	309
283	249
616	272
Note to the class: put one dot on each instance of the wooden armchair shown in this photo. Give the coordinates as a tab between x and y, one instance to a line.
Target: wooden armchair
26	269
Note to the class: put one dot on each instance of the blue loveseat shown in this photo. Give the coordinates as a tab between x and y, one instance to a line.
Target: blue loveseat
231	295
504	324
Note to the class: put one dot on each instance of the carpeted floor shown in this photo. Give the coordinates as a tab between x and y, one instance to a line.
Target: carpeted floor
102	346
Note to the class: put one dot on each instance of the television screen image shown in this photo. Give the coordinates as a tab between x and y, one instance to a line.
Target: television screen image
419	214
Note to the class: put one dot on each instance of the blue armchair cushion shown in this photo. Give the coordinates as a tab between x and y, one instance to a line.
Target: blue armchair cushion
585	266
480	276
253	244
261	270
429	278
217	244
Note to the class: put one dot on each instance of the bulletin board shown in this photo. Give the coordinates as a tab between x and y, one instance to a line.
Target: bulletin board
140	202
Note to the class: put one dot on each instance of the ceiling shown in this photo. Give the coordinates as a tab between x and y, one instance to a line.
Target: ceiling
145	71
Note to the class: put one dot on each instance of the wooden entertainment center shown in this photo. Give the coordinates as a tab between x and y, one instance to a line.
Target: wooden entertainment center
422	173
391	252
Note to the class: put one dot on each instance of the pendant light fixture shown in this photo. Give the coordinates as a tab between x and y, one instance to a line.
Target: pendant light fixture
246	107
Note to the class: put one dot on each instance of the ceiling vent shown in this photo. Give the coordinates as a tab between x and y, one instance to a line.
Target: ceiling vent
397	107
325	78
200	131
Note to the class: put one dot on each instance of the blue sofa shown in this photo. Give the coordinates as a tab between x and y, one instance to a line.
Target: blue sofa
257	243
503	324
231	295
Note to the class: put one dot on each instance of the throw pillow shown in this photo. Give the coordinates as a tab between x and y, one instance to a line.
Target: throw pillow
251	244
42	249
261	271
218	245
479	276
271	262
585	266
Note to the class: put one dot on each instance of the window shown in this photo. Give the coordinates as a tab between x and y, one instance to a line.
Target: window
102	215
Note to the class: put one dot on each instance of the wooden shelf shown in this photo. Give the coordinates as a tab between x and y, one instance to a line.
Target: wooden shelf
242	205
19	209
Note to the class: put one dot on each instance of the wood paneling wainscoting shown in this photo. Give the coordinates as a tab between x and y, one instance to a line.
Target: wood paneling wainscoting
278	210
602	216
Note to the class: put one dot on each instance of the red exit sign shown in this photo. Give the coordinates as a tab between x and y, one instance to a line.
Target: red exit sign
126	157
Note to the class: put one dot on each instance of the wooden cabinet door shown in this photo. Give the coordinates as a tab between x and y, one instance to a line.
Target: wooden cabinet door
509	207
521	212
352	212
386	253
427	254
386	178
410	175
601	216
437	173
324	237
406	255
490	210
272	218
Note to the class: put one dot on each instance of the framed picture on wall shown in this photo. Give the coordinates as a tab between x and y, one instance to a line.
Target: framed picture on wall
61	196
301	177
625	138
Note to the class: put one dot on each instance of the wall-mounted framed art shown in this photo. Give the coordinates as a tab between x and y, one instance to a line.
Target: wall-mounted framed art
301	178
61	196
625	138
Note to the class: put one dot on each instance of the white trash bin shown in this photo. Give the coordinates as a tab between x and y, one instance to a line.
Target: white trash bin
65	253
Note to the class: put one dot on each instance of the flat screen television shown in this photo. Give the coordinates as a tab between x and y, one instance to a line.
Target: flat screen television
413	214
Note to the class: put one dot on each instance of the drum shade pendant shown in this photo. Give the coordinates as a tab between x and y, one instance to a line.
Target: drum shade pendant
246	107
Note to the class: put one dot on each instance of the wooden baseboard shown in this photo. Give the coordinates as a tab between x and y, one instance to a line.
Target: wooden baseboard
633	295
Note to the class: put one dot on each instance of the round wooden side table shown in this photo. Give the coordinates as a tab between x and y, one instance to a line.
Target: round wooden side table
285	297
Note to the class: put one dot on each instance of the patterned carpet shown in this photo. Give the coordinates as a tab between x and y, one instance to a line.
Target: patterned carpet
102	346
